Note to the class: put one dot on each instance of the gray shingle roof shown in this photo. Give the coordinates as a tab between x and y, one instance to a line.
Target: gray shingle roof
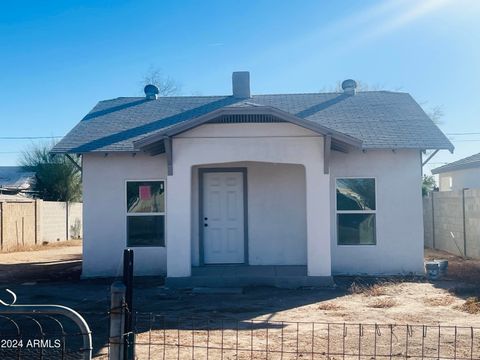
381	119
465	163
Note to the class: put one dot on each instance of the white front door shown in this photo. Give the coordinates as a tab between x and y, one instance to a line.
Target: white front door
223	218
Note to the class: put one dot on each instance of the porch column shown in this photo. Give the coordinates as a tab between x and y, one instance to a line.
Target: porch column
318	221
178	222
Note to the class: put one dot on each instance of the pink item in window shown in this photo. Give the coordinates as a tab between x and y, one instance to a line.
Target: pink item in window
144	192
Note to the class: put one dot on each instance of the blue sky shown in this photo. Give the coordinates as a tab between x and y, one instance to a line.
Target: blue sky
58	58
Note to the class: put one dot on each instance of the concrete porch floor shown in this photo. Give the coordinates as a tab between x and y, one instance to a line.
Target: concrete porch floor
281	276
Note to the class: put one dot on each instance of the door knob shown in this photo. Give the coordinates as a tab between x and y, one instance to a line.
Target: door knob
205	225
205	218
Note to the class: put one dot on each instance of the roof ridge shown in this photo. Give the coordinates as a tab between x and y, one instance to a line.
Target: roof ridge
333	92
254	95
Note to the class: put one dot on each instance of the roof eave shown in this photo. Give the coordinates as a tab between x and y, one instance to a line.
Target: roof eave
450	167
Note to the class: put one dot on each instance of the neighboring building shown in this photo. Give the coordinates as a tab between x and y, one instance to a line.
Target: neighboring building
284	189
460	174
15	180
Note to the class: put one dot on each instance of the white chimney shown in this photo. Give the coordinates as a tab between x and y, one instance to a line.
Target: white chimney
241	84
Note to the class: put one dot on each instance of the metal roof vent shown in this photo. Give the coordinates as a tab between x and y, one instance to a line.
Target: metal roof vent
151	91
241	84
349	86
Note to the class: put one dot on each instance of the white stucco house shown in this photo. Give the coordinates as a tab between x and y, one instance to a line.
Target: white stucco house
460	174
283	189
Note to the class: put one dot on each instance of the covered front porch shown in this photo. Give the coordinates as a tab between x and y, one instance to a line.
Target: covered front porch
249	227
248	211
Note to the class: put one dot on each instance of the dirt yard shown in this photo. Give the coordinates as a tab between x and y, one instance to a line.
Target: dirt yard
52	276
62	260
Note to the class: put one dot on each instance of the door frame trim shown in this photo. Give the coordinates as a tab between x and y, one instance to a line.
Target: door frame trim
201	172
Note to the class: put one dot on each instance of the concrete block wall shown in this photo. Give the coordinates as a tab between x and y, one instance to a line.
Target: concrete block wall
428	221
54	221
448	213
32	222
75	227
472	222
452	222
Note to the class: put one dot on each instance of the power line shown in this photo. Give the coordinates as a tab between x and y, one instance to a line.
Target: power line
454	140
28	137
465	133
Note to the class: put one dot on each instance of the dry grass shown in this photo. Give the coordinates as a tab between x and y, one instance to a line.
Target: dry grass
329	306
371	290
471	306
44	246
384	303
439	300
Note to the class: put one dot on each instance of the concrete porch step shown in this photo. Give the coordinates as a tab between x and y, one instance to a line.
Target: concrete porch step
231	276
217	291
286	282
250	270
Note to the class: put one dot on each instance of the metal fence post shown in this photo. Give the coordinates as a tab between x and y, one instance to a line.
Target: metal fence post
464	224
117	320
1	224
433	219
129	339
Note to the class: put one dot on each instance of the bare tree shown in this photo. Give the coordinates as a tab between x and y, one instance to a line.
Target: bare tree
435	113
165	84
361	86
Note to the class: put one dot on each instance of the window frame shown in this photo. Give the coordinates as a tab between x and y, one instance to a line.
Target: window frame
128	214
337	212
448	182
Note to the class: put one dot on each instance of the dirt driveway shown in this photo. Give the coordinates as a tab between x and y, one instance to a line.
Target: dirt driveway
50	262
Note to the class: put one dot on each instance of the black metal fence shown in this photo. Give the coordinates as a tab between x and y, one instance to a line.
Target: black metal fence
167	337
40	336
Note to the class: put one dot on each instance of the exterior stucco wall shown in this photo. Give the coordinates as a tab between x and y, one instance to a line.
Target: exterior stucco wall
105	213
291	202
399	219
277	225
464	178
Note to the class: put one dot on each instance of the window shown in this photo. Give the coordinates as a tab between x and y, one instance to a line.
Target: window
145	213
445	183
356	211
